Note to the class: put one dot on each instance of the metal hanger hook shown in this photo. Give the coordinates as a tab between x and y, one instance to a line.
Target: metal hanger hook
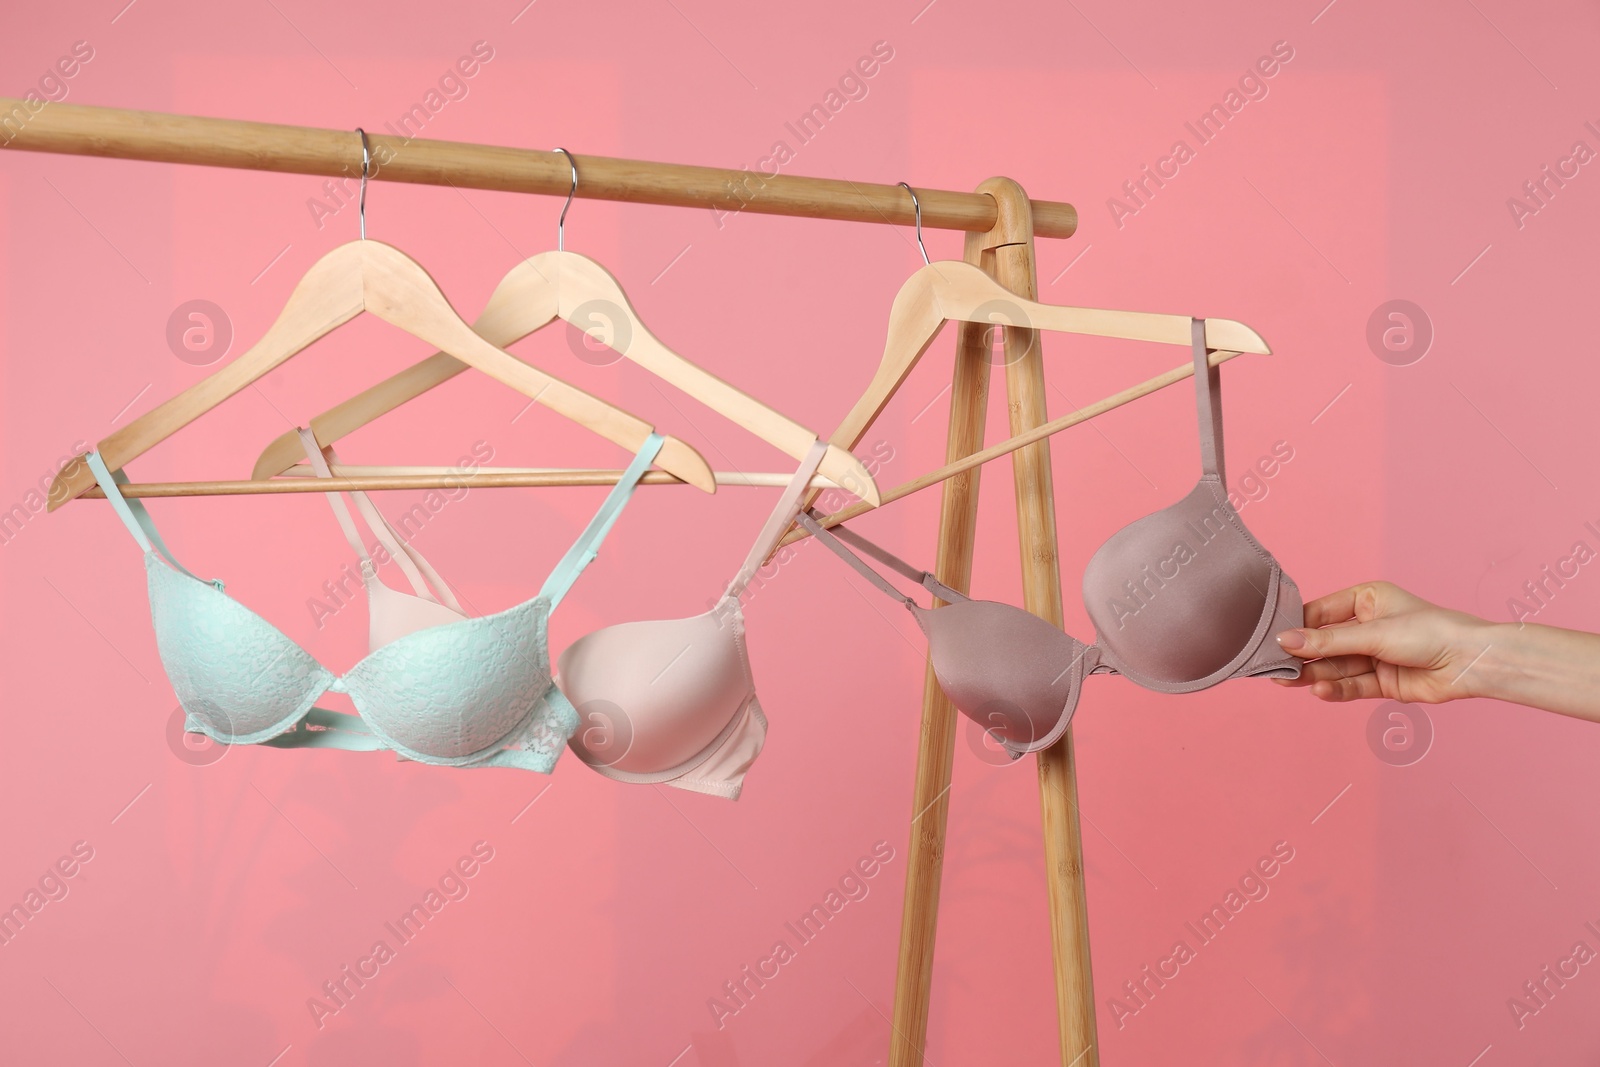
561	223
918	205
366	165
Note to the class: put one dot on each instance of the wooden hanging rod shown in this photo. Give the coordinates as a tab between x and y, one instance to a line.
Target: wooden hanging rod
76	129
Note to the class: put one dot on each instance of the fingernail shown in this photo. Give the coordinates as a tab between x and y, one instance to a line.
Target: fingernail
1291	640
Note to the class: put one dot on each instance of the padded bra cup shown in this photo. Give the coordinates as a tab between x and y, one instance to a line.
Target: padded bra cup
673	701
1181	600
968	637
231	669
1176	595
684	683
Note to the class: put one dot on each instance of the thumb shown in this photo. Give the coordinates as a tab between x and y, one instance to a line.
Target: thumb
1373	638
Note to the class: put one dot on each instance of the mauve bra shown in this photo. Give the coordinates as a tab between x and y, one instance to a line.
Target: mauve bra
1181	600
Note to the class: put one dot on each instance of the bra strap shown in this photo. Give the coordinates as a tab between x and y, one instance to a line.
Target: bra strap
836	538
134	516
1208	397
340	510
783	515
409	559
587	547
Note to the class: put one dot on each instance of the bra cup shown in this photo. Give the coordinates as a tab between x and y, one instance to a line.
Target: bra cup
393	614
1009	671
682	682
239	679
1178	595
451	694
1267	660
721	773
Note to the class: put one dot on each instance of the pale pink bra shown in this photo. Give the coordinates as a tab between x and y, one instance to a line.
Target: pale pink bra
673	701
1181	600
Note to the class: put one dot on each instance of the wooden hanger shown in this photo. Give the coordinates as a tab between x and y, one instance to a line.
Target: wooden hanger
372	276
566	285
956	291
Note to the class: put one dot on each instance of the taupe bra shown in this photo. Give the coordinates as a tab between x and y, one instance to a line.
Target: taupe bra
1181	599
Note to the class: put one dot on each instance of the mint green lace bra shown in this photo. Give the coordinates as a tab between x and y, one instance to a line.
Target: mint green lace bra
457	692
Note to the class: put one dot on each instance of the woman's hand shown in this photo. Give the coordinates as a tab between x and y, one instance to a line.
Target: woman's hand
1377	640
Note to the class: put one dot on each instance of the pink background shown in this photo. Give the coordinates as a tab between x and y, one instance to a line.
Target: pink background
224	891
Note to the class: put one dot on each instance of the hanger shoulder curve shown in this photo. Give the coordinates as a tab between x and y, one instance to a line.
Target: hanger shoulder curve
963	292
330	294
914	322
504	322
400	291
350	415
586	290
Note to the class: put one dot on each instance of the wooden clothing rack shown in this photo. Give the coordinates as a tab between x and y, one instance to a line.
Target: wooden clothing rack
1000	223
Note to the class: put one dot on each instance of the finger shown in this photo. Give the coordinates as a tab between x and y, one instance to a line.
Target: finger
1370	600
1355	687
1357	639
1336	667
1335	607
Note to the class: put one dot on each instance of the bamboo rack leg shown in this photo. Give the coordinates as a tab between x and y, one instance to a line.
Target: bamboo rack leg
958	517
1041	589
